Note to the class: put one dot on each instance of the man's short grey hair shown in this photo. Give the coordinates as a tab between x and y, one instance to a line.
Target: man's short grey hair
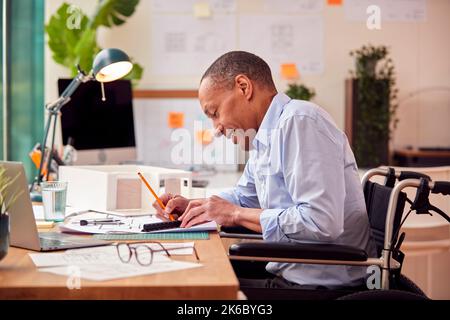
224	70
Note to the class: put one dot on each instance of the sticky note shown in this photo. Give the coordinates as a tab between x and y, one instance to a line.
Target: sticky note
202	10
204	137
289	71
334	2
175	120
44	224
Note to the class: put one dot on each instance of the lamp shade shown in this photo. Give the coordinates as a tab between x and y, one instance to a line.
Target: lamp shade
289	71
111	64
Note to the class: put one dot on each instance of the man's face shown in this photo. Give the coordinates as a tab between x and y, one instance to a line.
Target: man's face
229	109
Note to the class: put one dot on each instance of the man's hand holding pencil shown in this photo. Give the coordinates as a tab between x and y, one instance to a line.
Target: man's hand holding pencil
175	205
196	211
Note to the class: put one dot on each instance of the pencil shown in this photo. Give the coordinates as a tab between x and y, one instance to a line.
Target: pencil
161	204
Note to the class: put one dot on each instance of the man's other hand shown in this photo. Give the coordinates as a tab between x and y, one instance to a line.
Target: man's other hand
210	209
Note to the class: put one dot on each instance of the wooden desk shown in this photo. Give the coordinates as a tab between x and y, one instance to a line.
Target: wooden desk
20	279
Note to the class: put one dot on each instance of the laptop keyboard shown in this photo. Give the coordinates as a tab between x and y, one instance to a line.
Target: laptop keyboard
58	241
51	243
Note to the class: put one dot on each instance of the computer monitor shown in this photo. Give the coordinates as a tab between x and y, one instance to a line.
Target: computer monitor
102	132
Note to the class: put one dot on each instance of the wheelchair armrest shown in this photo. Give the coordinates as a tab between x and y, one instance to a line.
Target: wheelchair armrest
239	232
289	250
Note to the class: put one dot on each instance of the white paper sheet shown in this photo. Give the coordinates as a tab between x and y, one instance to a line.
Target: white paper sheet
111	272
78	257
71	211
103	263
164	148
293	6
175	248
390	10
104	255
186	6
188	45
127	225
132	212
38	212
284	39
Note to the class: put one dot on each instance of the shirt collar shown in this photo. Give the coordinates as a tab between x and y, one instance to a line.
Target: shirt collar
270	119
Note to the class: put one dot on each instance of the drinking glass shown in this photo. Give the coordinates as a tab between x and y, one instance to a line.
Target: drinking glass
54	200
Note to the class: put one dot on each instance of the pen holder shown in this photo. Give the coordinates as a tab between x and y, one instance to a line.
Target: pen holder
4	235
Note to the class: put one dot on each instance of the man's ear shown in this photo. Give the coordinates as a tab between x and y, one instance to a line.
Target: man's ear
244	86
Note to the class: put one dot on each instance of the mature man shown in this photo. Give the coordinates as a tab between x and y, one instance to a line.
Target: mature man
301	182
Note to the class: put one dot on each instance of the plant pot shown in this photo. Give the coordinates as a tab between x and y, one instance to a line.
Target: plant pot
4	235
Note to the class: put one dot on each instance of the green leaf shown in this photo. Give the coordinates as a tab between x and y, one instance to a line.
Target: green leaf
136	74
300	92
75	43
86	49
63	37
113	12
7	196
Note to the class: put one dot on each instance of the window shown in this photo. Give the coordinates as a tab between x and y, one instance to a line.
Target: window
23	87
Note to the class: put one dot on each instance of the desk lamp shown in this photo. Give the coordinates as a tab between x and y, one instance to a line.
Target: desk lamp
109	65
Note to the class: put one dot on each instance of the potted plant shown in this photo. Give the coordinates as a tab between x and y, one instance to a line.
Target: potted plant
300	92
7	199
72	35
373	104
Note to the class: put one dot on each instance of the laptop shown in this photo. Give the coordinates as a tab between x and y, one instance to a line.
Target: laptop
23	229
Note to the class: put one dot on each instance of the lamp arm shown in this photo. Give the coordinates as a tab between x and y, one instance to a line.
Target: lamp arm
53	109
50	154
67	93
38	178
104	58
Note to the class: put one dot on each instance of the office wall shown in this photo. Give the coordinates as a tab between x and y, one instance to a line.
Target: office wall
420	50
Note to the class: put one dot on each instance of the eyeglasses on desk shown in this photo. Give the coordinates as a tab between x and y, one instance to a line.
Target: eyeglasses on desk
142	252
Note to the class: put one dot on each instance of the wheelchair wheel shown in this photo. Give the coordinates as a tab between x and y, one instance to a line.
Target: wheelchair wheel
383	295
406	284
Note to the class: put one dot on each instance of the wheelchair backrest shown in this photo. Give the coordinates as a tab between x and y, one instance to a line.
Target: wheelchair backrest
377	200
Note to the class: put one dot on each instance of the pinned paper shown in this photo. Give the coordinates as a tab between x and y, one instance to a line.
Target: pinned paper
175	120
202	10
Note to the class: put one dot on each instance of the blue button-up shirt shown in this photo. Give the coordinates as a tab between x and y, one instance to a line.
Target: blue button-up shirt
302	172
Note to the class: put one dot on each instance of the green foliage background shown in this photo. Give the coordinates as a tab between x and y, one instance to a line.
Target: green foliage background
376	104
72	46
300	92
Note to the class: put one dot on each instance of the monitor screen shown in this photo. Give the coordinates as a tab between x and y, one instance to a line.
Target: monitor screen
96	124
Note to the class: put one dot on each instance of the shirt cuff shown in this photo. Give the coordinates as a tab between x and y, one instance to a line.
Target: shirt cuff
269	224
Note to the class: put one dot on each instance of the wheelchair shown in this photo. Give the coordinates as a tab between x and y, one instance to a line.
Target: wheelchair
385	205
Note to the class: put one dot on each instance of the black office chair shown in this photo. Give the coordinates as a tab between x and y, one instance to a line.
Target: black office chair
385	205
